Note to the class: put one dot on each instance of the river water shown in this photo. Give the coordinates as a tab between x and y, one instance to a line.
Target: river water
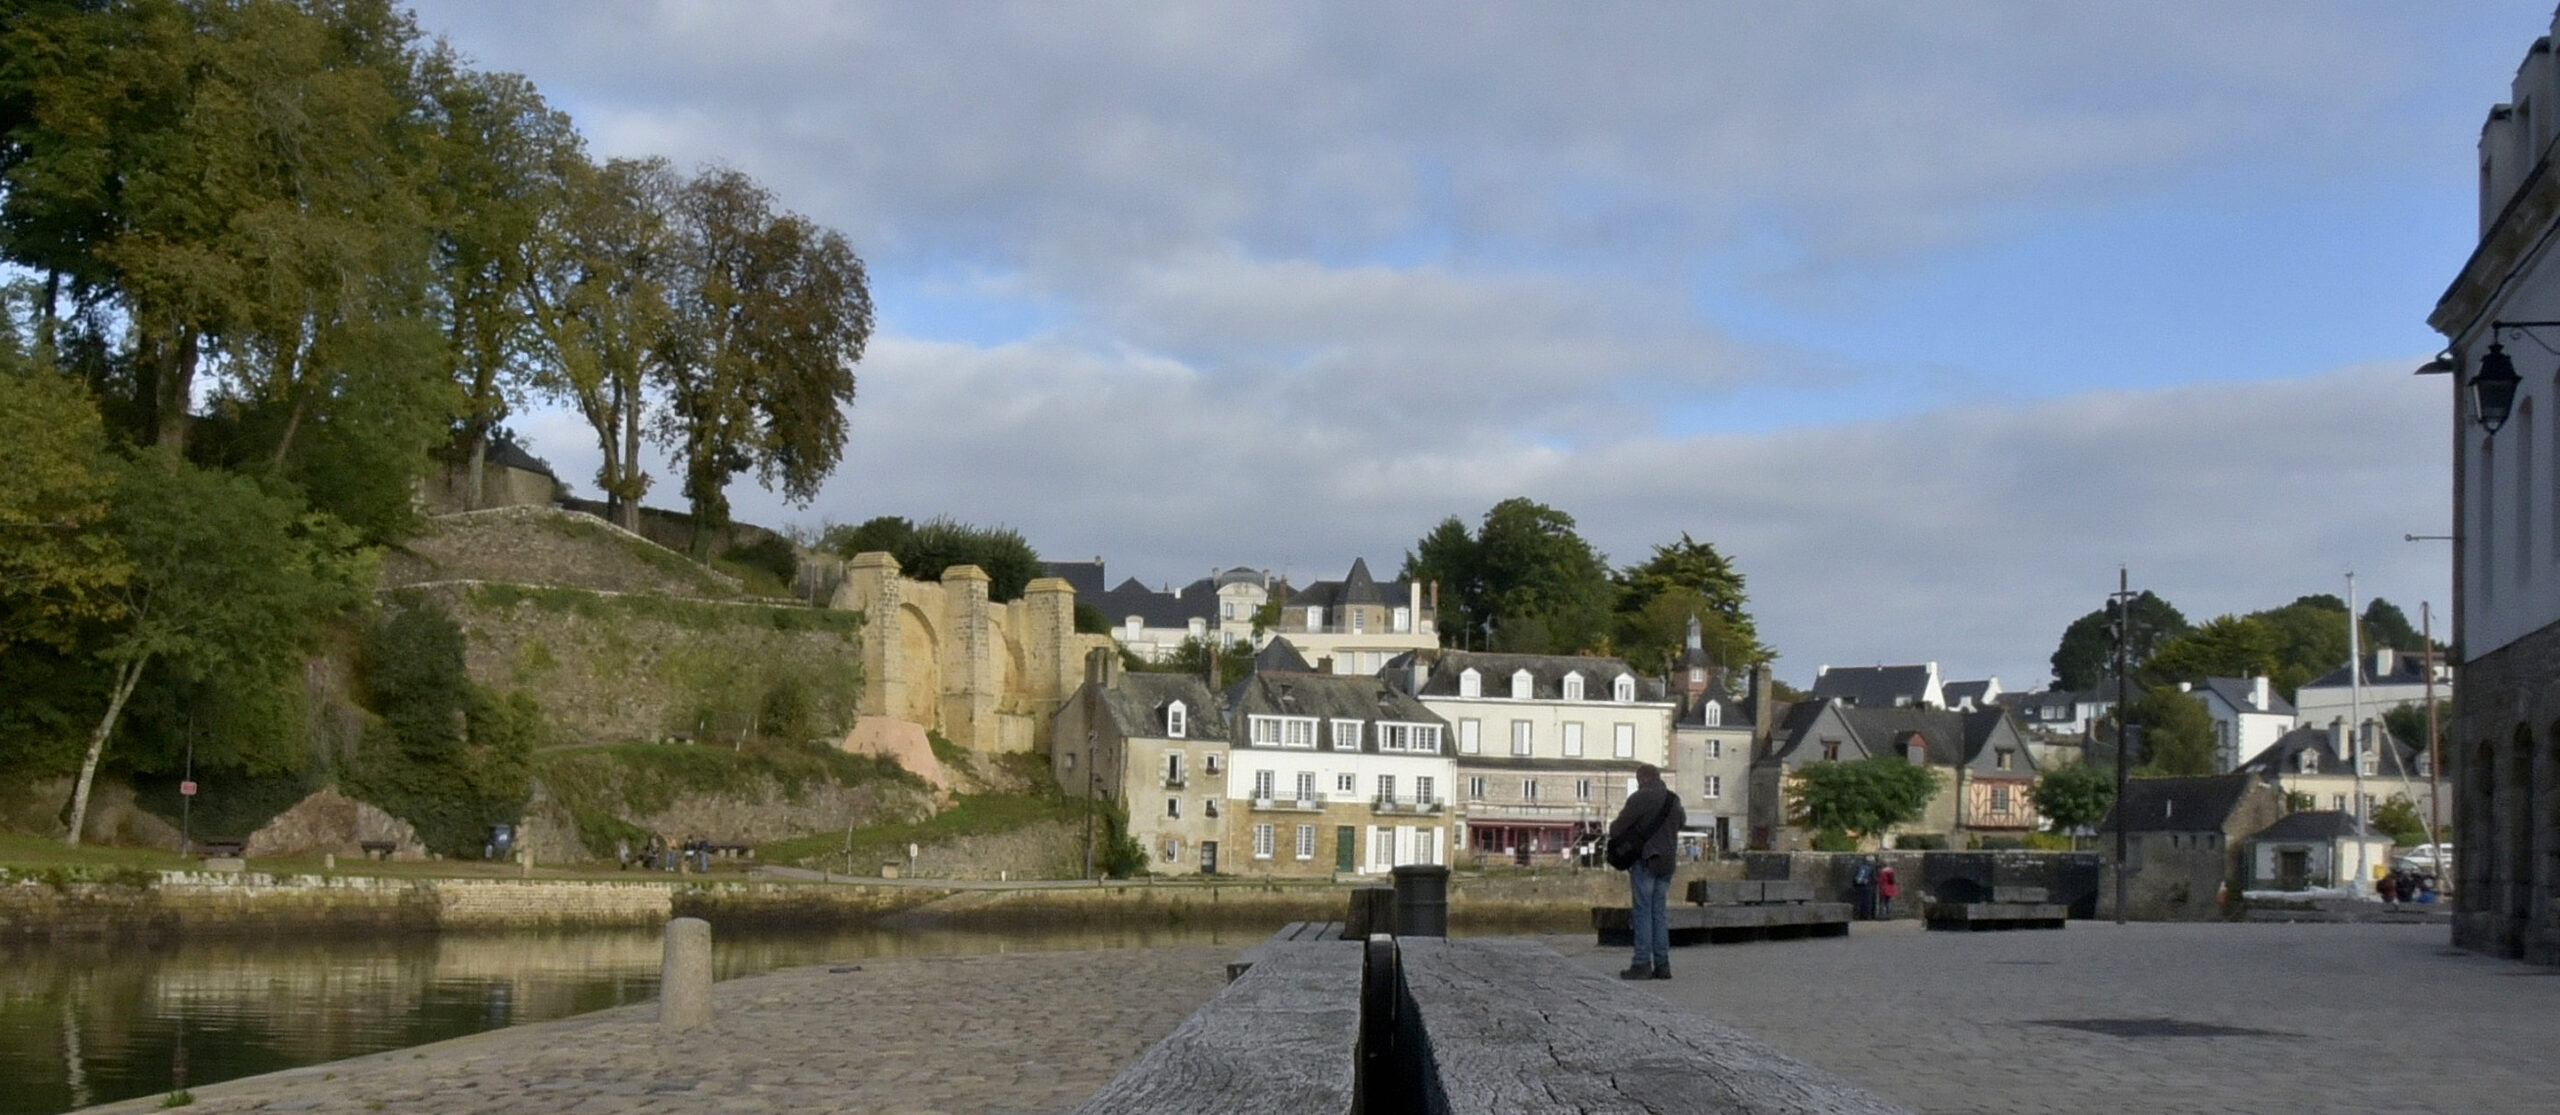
85	1023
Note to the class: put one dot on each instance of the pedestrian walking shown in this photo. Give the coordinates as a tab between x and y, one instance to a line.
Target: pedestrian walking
1644	842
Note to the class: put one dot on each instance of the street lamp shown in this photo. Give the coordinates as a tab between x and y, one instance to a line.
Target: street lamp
2493	389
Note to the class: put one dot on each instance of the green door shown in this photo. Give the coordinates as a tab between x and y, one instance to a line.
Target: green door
1343	845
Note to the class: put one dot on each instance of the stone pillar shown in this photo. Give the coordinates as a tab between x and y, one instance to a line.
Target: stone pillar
872	587
1048	641
684	975
970	677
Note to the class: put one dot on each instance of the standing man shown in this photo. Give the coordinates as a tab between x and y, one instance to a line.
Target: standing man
1645	842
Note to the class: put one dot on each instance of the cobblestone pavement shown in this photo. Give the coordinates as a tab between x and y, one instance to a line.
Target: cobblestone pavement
2333	1018
1020	1032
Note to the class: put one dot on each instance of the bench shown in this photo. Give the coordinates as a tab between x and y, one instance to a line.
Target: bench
1725	911
378	849
733	851
1292	933
220	849
2008	908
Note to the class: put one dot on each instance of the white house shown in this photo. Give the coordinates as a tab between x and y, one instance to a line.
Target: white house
2504	396
1333	775
1874	687
1355	625
2248	715
2390	679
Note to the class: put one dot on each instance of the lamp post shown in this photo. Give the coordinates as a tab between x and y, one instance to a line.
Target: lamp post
2124	727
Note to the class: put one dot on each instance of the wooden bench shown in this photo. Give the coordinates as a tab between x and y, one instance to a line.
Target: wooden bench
1511	1026
220	849
1284	1037
1726	911
1293	933
378	849
2009	908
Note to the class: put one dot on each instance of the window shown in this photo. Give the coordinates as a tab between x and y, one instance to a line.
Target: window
1209	764
1263	781
1522	686
1208	807
1422	787
1173	849
1715	749
1697	675
1470	683
1417	739
1470	736
1198	628
1346	783
1283	731
1520	734
1207	847
1711	715
1403	620
1173	769
1359	623
1572	739
1582	789
1136	625
2306	761
1624	743
1475	787
1386	787
1624	689
2005	759
1262	842
1071	762
1573	687
1382	847
1315	619
1173	807
1306	787
1306	842
1346	735
1714	787
1528	789
1831	751
2000	801
2338	802
1176	720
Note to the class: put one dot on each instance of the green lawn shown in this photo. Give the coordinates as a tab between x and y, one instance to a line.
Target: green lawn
44	853
970	814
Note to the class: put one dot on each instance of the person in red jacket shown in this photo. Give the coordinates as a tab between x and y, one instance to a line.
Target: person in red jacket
1886	888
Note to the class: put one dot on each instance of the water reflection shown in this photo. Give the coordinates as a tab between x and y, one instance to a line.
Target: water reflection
92	1022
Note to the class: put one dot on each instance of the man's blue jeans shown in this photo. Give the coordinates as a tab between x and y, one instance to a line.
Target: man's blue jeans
1648	895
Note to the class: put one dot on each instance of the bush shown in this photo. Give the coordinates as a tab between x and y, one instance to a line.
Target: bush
2050	842
447	756
1834	840
771	554
1920	842
1998	843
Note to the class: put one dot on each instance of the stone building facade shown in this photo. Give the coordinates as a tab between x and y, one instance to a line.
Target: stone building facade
2504	742
941	654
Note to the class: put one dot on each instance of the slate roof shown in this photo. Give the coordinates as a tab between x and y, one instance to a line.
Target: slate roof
1546	675
1137	705
2240	692
2318	824
1731	712
2281	757
1356	587
1954	738
1327	697
1083	576
2180	804
1958	692
2050	706
1159	609
2408	667
1872	686
506	452
1278	656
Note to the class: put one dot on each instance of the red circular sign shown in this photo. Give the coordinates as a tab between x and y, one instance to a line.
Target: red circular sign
186	789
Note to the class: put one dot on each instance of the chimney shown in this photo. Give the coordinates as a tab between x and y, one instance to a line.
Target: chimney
1697	639
2338	739
1761	714
2259	698
1417	673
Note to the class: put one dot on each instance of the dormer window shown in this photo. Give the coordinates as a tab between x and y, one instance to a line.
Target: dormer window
1403	620
1136	624
2306	762
1624	689
1315	619
1470	683
1573	687
1712	715
1521	685
1176	720
1198	627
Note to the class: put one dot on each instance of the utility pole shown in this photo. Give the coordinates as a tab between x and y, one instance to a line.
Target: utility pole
1088	803
2355	728
2435	762
2124	727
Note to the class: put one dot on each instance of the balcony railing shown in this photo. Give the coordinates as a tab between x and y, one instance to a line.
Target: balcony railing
1291	804
1393	805
1176	781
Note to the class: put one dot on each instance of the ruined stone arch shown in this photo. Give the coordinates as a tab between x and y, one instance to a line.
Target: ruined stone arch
920	653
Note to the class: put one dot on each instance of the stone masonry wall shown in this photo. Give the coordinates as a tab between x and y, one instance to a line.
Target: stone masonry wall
2507	817
544	546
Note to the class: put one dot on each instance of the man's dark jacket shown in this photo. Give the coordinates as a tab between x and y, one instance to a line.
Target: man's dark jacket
1662	849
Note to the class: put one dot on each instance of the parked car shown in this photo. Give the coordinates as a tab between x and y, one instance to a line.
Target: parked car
2426	859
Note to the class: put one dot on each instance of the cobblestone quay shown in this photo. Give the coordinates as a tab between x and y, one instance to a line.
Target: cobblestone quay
1019	1032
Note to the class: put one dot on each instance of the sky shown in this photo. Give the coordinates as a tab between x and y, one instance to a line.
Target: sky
1930	317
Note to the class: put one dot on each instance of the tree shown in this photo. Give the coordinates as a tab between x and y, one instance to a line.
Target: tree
1863	797
2399	817
2385	625
2073	796
2085	659
1701	582
2225	647
58	568
771	312
1194	655
598	290
1542	588
2407	723
224	577
2177	732
925	552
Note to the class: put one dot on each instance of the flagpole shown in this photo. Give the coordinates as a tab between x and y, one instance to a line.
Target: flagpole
2355	729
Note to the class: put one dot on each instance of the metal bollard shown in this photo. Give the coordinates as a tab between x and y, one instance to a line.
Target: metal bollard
1373	910
1422	901
684	975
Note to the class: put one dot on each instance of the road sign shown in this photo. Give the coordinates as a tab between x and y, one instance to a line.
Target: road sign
187	789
